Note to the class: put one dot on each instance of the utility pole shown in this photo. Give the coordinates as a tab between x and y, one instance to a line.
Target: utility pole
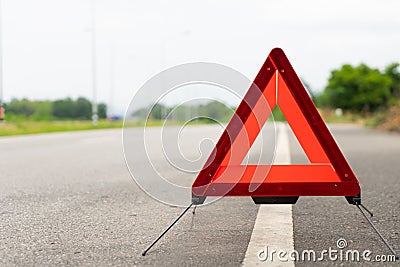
1	67
95	117
112	80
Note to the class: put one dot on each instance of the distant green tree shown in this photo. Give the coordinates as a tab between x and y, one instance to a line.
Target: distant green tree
82	109
180	113
359	88
76	109
43	110
157	112
217	111
59	109
393	72
21	107
64	108
102	110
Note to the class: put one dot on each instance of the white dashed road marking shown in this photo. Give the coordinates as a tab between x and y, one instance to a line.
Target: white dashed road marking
274	224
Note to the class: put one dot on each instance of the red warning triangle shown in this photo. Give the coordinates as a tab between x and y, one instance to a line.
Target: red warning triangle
328	173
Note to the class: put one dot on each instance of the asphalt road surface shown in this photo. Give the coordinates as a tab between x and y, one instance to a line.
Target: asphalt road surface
68	199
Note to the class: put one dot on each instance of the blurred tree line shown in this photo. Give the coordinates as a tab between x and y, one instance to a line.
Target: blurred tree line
361	88
62	109
209	112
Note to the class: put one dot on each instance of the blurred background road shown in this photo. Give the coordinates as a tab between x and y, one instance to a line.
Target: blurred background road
68	199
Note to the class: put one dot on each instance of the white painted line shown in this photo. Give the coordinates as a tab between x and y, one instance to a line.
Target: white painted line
274	224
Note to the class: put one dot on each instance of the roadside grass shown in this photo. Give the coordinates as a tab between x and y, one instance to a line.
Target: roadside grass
23	127
388	120
8	128
329	116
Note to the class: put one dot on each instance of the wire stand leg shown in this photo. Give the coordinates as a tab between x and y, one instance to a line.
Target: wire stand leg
367	210
166	230
378	233
194	210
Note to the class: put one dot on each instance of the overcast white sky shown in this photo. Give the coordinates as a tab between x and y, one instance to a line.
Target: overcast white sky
46	43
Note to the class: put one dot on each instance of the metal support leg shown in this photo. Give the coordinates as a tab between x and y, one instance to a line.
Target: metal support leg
166	230
377	232
367	210
194	210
